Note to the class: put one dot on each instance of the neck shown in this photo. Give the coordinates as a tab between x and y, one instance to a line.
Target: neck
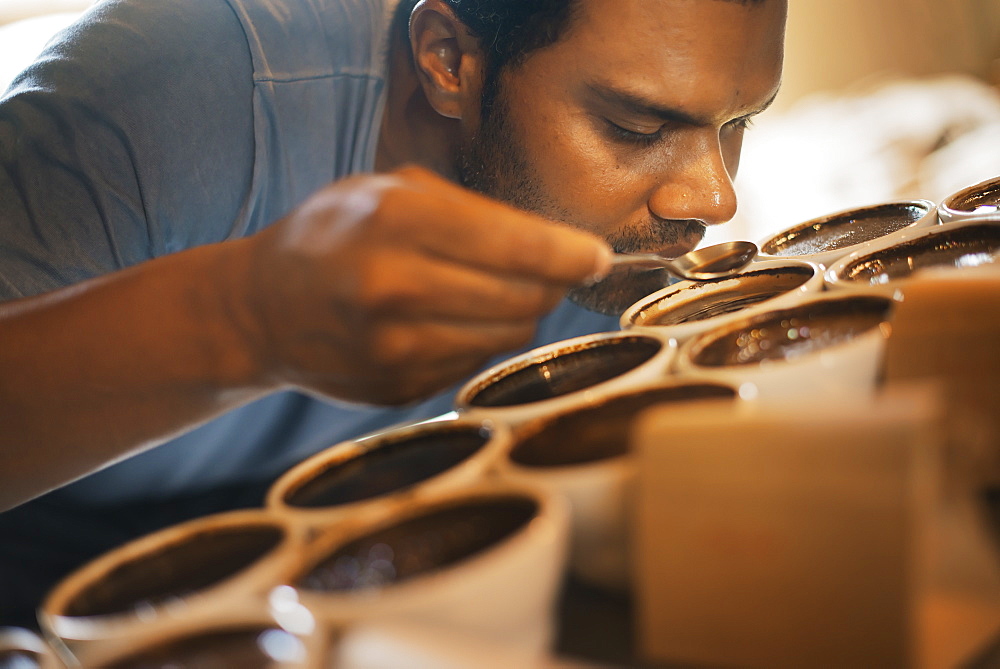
412	132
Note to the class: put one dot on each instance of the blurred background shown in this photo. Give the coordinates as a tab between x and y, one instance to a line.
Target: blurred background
881	100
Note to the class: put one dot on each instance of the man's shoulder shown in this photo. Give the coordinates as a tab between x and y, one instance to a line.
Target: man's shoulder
117	38
113	129
295	38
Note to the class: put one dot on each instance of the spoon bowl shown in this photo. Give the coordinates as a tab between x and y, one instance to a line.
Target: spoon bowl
712	262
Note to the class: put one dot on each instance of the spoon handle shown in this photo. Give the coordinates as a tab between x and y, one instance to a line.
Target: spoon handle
650	260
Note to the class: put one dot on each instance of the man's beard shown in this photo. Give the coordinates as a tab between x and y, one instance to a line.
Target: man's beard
493	163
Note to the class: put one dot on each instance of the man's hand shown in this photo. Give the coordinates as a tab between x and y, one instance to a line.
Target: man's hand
378	289
384	289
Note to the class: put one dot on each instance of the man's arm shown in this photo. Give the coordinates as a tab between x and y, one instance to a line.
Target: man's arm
378	289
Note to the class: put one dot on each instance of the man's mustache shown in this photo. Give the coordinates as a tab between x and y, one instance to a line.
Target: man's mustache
656	235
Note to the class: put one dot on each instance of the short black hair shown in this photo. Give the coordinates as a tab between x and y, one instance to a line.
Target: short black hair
509	30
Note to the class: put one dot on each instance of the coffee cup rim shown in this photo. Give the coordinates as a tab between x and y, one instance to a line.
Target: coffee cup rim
828	256
535	425
515	414
238	584
492	448
948	212
690	350
178	629
551	517
683	331
833	277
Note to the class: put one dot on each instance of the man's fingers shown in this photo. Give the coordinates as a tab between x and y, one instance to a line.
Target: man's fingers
462	226
407	284
385	288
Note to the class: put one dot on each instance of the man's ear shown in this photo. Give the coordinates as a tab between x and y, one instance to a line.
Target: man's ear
447	59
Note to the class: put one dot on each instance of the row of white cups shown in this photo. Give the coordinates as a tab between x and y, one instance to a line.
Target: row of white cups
537	447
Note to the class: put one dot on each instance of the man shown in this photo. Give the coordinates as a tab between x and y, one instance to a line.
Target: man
215	212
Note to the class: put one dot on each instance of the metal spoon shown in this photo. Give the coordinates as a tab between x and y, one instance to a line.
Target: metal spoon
712	262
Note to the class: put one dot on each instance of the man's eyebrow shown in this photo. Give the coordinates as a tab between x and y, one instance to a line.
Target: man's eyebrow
638	105
763	107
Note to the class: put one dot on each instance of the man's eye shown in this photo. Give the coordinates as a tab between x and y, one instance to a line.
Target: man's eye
632	136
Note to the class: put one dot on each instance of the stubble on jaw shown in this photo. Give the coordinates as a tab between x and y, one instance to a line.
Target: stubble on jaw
493	162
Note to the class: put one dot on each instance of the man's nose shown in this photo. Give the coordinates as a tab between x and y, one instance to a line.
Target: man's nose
696	184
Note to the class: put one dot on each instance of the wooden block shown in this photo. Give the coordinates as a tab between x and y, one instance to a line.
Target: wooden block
788	536
946	330
947	326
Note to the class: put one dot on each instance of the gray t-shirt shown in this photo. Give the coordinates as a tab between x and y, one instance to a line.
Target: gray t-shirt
152	126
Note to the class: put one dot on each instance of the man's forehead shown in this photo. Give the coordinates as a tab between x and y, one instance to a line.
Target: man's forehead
691	47
652	28
655	24
591	9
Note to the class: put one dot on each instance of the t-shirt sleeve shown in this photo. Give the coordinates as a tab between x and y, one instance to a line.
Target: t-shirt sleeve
132	136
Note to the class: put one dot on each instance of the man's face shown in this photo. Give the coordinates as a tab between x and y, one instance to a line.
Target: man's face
630	125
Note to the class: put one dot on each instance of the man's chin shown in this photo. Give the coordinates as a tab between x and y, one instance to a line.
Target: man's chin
620	290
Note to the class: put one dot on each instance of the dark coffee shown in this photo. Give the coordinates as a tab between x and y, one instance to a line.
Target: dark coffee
986	196
251	648
790	333
703	300
960	247
389	466
566	371
602	431
838	232
199	561
433	540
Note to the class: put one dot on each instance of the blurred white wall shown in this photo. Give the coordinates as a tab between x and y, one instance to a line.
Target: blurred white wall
15	10
26	26
839	45
880	100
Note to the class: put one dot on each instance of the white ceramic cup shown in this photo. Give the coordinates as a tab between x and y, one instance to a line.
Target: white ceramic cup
408	462
962	244
485	562
825	239
582	454
22	649
241	636
980	201
690	307
564	374
829	344
199	569
419	645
